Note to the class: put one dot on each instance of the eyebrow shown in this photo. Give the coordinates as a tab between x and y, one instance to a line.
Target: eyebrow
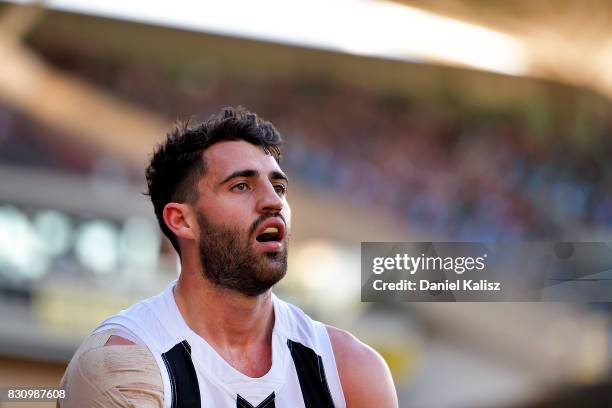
274	175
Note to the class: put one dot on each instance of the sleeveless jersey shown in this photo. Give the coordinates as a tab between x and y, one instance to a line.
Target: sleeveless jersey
303	372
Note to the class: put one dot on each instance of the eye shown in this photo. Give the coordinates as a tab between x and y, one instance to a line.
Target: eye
281	189
241	187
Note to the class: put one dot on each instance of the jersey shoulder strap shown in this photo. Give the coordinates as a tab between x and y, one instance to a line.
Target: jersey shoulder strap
312	354
151	321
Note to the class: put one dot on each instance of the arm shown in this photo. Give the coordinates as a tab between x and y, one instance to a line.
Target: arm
112	372
365	377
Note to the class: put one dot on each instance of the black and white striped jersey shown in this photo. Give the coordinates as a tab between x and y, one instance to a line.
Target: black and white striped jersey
303	372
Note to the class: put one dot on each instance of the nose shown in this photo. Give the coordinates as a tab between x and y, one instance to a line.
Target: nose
269	200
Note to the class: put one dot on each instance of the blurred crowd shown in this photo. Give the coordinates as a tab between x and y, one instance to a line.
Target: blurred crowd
480	176
485	179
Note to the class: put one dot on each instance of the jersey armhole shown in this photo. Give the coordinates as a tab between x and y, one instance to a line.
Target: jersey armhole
333	377
126	334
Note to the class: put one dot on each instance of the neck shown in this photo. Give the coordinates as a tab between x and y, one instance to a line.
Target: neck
225	318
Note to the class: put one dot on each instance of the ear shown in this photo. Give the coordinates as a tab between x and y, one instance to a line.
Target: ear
178	218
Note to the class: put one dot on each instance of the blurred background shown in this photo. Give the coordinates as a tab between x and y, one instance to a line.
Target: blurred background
412	120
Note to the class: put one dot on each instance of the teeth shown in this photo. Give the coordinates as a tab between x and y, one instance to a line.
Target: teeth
271	230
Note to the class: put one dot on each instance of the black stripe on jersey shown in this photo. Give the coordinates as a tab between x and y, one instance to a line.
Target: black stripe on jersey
267	403
311	374
183	379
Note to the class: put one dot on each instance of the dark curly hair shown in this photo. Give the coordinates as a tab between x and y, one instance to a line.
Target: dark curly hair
178	163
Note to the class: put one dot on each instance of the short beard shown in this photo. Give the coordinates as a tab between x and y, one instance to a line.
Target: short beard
229	261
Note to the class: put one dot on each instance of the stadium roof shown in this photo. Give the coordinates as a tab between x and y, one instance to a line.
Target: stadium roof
566	41
362	27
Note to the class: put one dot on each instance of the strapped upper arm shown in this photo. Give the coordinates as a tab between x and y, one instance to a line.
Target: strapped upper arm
112	375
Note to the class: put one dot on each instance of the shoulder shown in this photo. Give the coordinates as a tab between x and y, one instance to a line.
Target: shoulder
114	372
364	374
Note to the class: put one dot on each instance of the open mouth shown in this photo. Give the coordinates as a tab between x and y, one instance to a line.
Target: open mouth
270	234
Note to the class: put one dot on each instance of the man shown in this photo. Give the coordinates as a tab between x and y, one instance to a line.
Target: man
218	337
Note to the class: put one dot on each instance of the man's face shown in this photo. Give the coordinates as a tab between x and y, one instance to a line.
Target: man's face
244	219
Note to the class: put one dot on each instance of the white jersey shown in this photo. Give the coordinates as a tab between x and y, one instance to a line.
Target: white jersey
303	372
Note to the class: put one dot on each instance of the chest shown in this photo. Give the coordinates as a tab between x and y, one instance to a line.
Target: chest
297	378
253	362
